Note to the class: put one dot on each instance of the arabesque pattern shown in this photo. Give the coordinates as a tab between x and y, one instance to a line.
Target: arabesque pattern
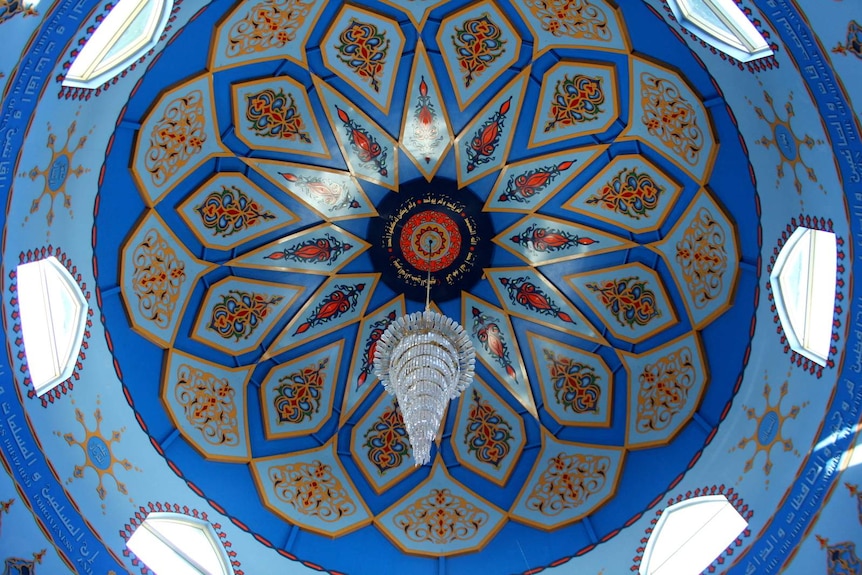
364	49
274	114
664	390
386	441
208	404
158	278
297	395
267	25
488	436
441	517
176	137
312	489
230	210
239	313
630	193
703	257
571	18
576	385
567	482
628	299
670	117
478	43
576	100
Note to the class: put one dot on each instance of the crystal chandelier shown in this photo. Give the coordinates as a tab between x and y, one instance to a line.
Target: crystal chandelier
424	359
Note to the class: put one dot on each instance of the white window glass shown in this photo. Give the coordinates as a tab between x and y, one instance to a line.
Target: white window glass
53	318
174	544
722	25
690	535
803	282
129	30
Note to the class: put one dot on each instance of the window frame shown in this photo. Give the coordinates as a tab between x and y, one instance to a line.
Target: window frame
175	548
739	39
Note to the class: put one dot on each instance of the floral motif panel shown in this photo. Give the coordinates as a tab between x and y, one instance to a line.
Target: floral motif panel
577	386
665	389
668	114
264	30
207	404
592	24
382	447
363	49
576	99
630	193
479	45
158	274
228	210
701	252
440	517
311	489
175	138
568	482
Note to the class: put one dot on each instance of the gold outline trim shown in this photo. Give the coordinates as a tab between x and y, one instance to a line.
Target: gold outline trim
588	299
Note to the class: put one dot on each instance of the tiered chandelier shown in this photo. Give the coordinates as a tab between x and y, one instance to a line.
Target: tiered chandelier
424	359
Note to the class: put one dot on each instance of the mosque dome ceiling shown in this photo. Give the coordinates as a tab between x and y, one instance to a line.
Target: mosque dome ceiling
599	199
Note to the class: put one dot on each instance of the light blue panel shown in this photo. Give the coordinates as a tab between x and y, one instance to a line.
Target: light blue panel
473	519
576	385
568	482
527	185
229	210
237	313
425	134
298	395
161	273
275	114
527	293
666	113
207	403
185	114
362	379
665	386
630	300
577	99
478	45
494	339
334	195
382	447
369	150
285	483
488	435
574	26
484	144
339	302
539	240
264	31
364	50
701	252
630	192
324	249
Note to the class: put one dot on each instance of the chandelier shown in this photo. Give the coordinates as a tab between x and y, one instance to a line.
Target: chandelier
424	359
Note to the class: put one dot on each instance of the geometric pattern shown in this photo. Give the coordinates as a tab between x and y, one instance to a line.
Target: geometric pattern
665	387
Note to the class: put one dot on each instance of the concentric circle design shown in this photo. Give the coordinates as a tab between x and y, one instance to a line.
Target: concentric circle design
430	240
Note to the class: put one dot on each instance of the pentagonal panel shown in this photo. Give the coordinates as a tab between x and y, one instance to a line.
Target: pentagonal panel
631	300
237	314
577	386
177	136
207	404
592	24
670	116
568	482
381	446
297	396
488	435
577	99
363	48
630	192
311	489
701	252
463	521
228	210
276	114
665	387
157	276
478	44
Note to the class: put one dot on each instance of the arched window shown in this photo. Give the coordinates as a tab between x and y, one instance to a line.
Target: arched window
803	282
176	544
53	317
722	25
128	32
689	536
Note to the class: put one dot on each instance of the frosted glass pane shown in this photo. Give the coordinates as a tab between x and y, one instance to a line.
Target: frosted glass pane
134	31
36	325
793	283
192	541
819	327
158	557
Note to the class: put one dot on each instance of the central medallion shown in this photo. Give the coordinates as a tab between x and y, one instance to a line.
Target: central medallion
431	227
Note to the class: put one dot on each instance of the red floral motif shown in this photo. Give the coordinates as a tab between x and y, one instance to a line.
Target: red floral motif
480	149
488	435
377	329
544	239
487	331
386	440
325	249
328	192
477	43
336	303
527	294
364	145
524	186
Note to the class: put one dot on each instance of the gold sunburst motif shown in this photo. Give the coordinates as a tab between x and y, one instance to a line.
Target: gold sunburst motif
784	139
98	453
768	428
57	172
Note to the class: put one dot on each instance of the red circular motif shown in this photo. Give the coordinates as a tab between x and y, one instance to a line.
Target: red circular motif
436	228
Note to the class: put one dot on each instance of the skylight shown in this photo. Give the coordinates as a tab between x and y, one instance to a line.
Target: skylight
722	25
175	544
690	535
803	281
129	30
53	317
